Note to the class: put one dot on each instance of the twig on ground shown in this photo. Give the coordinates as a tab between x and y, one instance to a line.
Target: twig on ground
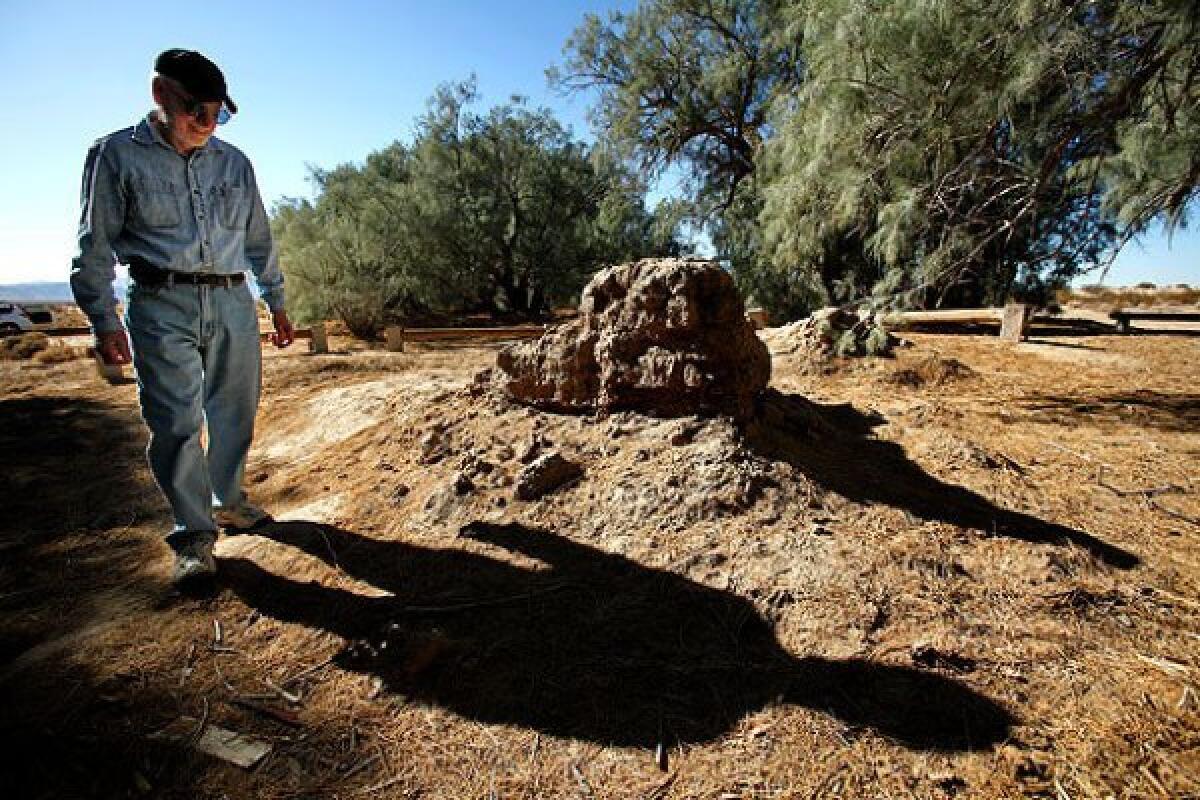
196	734
499	601
1169	488
1076	453
291	697
1170	512
329	546
188	664
360	766
661	790
221	675
308	671
379	787
279	715
1154	780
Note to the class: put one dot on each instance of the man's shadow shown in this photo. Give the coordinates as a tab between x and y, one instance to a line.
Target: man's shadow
834	446
569	640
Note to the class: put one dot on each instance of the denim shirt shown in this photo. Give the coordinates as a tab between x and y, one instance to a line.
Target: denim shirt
200	213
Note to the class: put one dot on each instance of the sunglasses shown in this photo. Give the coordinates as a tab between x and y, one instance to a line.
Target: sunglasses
198	110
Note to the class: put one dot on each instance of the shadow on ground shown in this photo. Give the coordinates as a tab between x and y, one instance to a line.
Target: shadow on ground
833	445
588	644
70	463
74	479
1144	408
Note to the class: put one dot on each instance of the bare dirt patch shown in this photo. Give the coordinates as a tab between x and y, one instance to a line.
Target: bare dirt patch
983	585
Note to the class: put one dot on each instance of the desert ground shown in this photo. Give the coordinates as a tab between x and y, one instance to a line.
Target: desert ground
970	570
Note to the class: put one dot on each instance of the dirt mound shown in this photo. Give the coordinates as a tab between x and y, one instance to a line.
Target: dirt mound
832	332
933	370
667	337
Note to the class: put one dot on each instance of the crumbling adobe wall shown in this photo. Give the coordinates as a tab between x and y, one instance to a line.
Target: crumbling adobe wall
666	337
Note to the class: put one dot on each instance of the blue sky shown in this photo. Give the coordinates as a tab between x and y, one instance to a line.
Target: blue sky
316	83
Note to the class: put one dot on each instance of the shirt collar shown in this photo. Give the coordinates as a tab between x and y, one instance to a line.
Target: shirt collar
147	133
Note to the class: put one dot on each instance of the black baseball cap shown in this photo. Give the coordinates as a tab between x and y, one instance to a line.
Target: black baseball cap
200	77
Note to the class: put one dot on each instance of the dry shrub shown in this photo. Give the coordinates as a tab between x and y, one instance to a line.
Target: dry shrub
59	354
933	370
23	347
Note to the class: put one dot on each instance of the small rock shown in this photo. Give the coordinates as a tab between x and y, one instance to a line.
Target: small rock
400	492
544	475
536	444
463	484
433	447
684	434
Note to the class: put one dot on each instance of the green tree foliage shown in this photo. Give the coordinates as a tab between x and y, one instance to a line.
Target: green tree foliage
499	212
978	148
688	84
915	151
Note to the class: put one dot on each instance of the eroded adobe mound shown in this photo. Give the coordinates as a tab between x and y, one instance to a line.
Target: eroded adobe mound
667	337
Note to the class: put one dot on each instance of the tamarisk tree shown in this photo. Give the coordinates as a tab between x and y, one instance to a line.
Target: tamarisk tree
956	152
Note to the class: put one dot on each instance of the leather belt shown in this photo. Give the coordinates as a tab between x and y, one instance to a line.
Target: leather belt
205	278
146	274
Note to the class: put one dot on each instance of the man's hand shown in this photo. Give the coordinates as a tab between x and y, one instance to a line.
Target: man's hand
283	335
113	347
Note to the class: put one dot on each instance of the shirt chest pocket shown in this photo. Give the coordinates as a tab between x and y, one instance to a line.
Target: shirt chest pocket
156	203
233	209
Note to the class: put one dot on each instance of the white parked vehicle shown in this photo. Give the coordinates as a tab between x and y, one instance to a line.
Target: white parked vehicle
13	319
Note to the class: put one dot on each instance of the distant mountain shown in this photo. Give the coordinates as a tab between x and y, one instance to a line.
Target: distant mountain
42	292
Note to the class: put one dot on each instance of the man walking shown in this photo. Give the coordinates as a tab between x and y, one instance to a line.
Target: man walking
182	209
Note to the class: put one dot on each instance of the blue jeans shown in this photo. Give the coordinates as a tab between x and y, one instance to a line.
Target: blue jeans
198	360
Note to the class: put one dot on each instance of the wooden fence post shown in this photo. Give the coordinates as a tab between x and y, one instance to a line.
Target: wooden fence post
1015	325
319	343
395	338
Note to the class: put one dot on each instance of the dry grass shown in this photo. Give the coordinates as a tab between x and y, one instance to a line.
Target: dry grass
981	587
58	353
1109	298
23	347
932	370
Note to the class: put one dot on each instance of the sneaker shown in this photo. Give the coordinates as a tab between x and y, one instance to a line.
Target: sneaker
194	562
244	516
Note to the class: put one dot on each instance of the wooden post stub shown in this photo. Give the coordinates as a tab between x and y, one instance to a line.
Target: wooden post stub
1015	324
395	338
319	343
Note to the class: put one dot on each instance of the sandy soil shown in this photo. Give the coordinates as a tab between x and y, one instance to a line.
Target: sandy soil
969	571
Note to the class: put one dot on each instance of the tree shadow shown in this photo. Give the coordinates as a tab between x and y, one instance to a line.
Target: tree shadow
582	643
66	466
835	447
1174	412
